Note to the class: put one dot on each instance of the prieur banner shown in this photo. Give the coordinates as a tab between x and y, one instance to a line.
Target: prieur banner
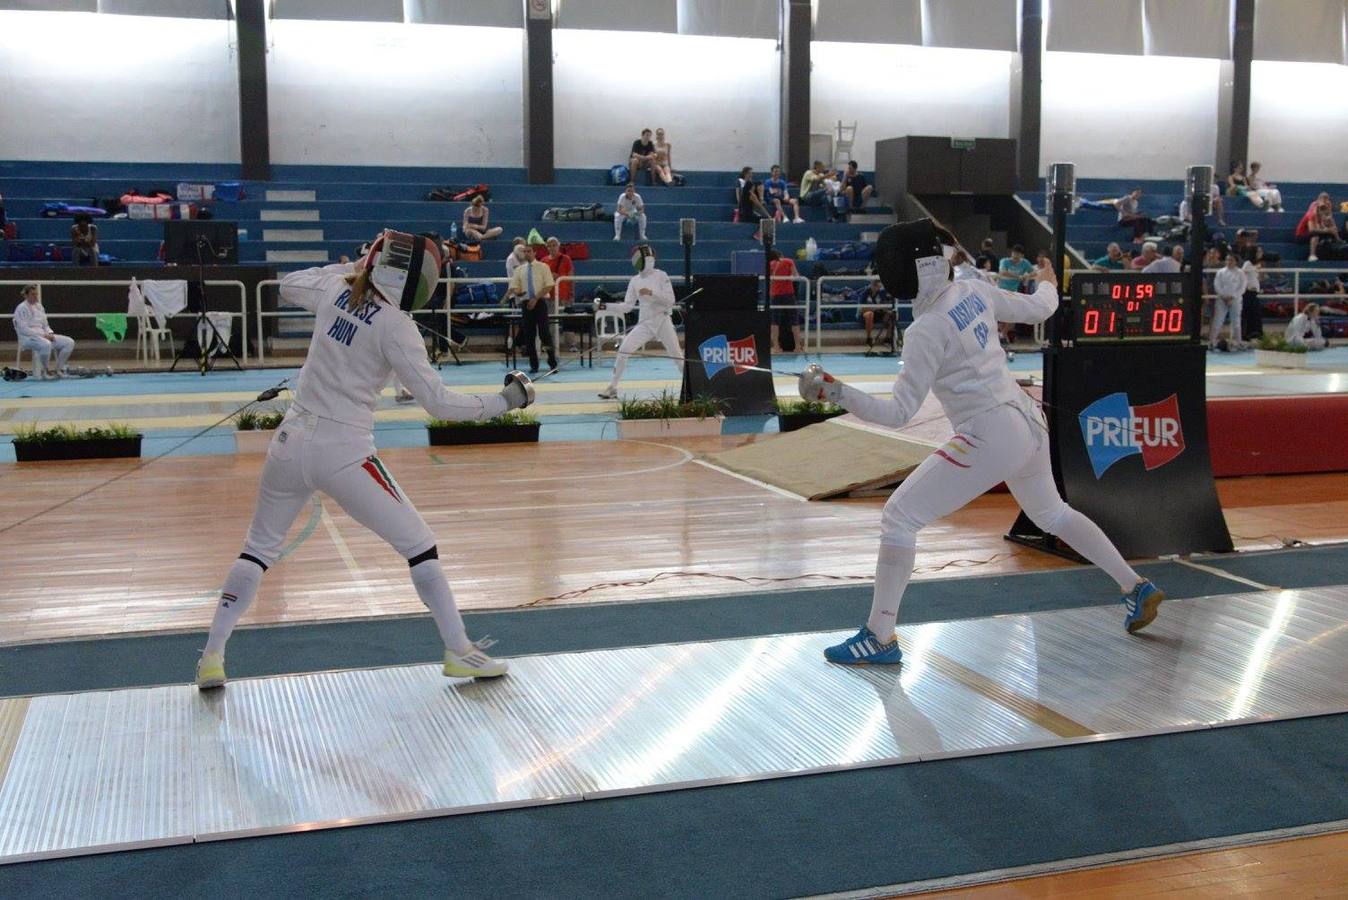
722	345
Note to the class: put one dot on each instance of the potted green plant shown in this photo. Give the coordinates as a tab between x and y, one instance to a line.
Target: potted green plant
32	443
515	427
253	429
796	414
1273	350
667	416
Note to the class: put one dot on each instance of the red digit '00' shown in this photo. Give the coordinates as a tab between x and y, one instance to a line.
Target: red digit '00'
1158	322
1176	317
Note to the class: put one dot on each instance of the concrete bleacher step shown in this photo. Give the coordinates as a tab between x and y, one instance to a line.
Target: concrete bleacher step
289	256
292	196
289	215
292	235
871	218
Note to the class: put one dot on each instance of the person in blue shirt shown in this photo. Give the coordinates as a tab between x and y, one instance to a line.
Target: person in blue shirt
775	191
1014	270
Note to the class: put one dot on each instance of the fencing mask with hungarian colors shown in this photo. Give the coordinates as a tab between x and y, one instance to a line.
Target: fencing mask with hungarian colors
404	268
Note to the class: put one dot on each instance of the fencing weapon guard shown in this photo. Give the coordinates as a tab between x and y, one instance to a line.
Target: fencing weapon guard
519	389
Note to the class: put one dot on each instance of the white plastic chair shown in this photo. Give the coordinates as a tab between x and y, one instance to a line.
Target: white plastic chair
842	146
149	332
608	324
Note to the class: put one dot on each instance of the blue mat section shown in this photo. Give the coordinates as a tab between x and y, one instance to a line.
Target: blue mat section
168	659
790	837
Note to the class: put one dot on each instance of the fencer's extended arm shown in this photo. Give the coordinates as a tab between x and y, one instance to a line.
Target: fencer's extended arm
407	354
923	350
305	288
1030	309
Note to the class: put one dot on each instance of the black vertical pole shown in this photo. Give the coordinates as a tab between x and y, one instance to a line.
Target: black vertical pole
1233	95
539	164
797	29
250	24
1026	103
1062	188
1198	187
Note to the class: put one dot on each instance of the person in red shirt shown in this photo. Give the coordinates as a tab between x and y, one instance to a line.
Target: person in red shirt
1317	225
561	264
783	294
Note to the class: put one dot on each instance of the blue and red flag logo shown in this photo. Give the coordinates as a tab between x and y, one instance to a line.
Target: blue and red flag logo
1114	429
719	353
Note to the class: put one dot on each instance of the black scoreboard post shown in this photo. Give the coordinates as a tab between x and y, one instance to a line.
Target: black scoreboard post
1126	395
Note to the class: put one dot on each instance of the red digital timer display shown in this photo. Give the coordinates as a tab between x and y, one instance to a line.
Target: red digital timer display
1129	307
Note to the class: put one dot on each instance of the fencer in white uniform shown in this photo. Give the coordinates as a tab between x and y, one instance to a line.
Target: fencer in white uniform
362	333
1000	434
35	334
653	293
1304	329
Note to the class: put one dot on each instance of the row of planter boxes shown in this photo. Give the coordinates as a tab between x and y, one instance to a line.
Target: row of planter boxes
257	441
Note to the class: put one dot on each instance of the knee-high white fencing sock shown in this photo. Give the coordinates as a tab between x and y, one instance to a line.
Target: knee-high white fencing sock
892	571
1086	538
236	596
433	589
619	366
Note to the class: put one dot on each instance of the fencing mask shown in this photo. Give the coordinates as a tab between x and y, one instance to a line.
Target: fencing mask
911	261
639	258
405	268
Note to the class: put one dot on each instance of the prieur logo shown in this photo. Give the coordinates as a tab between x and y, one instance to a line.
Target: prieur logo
719	353
1114	429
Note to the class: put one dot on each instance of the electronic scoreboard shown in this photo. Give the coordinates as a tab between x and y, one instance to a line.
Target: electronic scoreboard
1125	398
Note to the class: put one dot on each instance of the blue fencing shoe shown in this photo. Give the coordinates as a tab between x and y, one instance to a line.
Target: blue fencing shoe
1141	603
864	649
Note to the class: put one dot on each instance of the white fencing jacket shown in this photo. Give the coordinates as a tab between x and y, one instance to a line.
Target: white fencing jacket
952	349
660	300
354	349
30	320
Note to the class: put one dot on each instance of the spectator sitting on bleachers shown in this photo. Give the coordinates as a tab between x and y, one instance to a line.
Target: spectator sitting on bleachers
776	192
884	308
987	258
855	186
1127	259
643	156
1322	196
1317	225
1112	260
1214	203
663	164
477	221
84	238
1304	329
748	197
630	208
1148	256
812	190
835	200
518	254
1262	194
1170	262
1237	185
1130	215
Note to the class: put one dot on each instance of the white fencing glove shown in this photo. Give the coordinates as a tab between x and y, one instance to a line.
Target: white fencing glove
816	384
518	391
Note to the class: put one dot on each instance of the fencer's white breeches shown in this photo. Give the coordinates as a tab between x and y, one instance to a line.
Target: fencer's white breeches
1006	444
312	454
619	219
1310	343
656	328
42	350
1221	308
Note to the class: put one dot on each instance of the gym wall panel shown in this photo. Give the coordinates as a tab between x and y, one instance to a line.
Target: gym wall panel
348	93
1093	115
1102	26
485	13
177	9
1188	28
716	18
971	24
869	21
1299	120
896	90
635	15
50	5
717	98
177	101
339	10
1299	30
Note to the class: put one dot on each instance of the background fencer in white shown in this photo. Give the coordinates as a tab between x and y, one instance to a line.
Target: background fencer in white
652	291
36	335
326	444
630	208
951	349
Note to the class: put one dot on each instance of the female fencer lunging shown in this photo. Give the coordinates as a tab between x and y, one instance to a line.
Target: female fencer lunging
1000	435
652	290
362	333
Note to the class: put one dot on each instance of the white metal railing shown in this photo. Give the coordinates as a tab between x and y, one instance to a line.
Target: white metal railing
242	314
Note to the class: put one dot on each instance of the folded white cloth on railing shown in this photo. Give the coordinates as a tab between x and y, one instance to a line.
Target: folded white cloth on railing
165	298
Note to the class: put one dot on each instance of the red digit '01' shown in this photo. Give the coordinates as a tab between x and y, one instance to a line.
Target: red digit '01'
1158	322
1176	317
1092	323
